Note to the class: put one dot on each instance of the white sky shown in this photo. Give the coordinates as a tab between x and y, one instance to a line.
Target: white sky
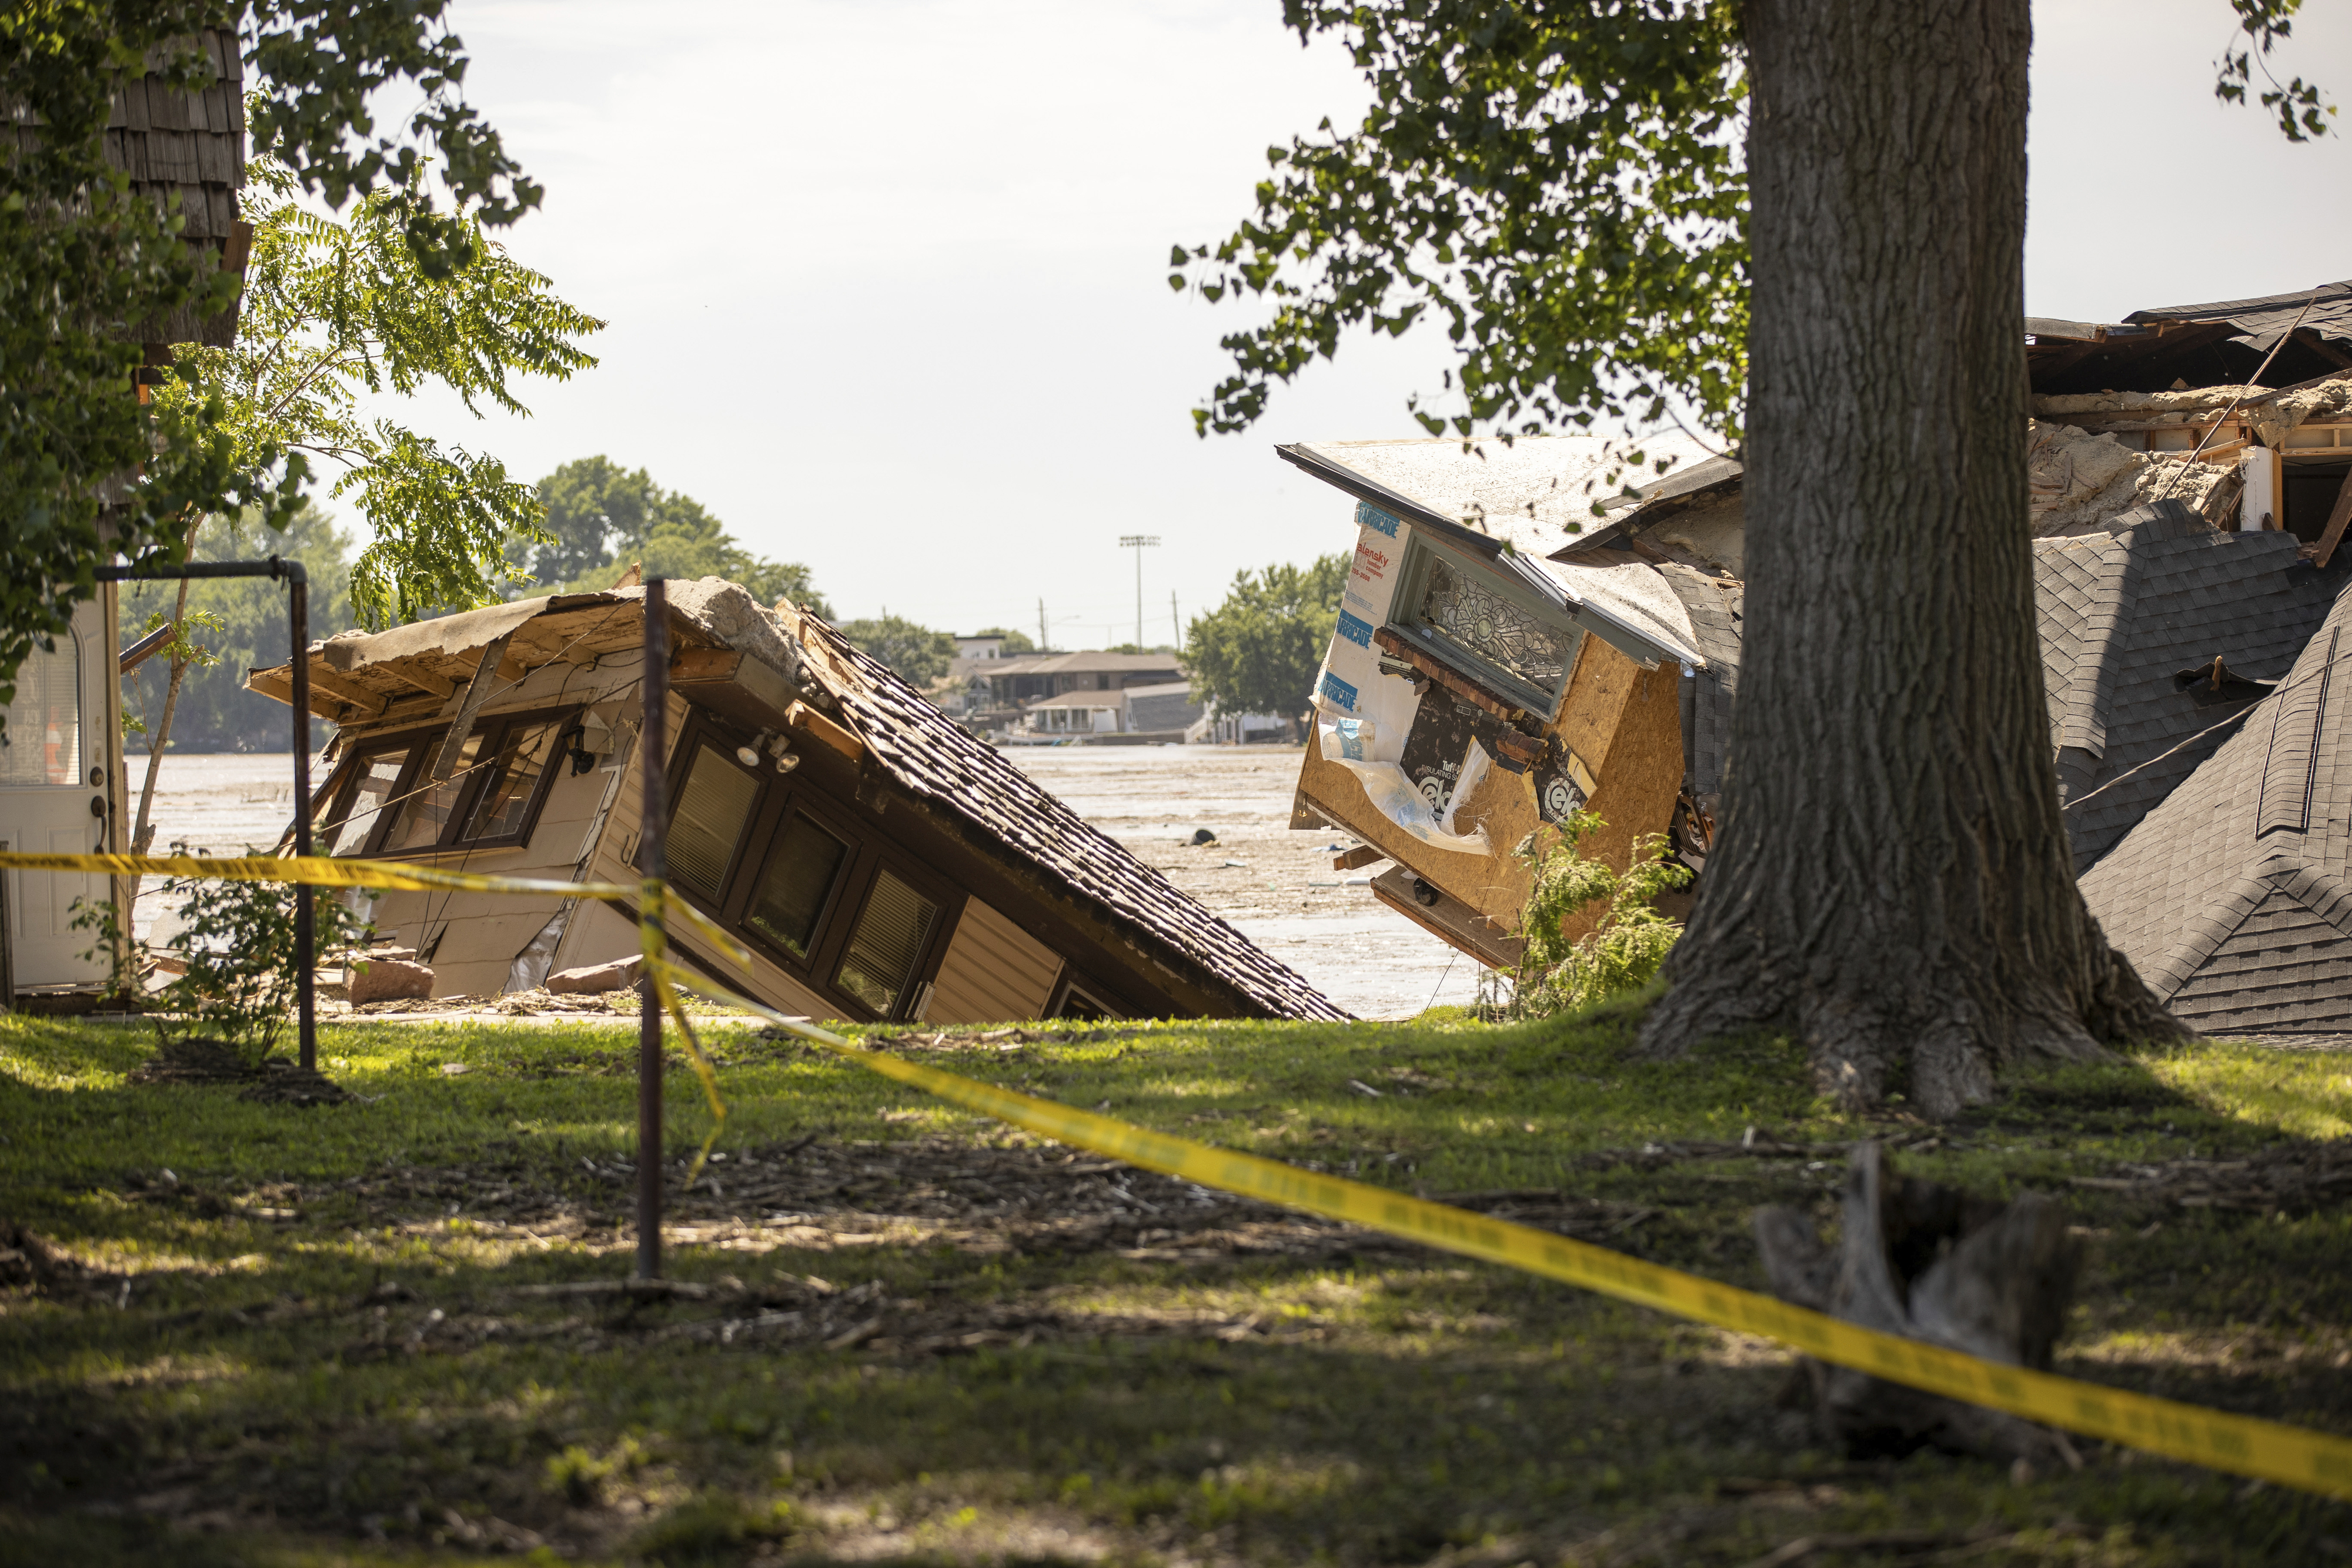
885	278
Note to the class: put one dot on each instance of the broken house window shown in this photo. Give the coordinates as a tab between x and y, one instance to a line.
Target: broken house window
382	800
764	855
1497	631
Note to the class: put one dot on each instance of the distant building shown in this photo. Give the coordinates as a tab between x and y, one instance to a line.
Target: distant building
996	693
1135	716
991	647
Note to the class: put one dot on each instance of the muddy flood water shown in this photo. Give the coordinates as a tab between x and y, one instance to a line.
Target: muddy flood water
1275	886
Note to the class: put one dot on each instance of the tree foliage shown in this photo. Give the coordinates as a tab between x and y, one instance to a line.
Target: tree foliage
1258	650
81	257
1560	185
2302	112
600	516
336	307
918	654
215	711
1626	944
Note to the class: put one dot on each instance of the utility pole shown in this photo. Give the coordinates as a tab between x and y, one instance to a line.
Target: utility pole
1043	646
1139	543
1175	620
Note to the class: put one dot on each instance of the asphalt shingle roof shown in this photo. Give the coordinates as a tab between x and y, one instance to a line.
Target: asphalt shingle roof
931	757
2232	896
2122	614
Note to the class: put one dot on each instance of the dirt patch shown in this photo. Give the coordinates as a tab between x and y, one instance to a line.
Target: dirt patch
196	1061
2294	1178
275	1082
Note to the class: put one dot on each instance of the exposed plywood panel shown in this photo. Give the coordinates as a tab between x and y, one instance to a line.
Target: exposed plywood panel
994	972
1621	720
1638	788
1605	682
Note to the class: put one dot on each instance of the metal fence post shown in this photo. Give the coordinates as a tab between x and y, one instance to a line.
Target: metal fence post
306	957
654	865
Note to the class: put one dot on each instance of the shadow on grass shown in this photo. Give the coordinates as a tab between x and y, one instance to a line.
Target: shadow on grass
1383	1408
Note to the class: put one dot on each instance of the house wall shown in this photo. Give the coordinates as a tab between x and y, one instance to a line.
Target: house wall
1620	720
994	972
474	938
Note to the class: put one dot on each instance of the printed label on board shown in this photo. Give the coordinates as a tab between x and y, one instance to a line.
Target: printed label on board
1338	691
1355	630
1371	516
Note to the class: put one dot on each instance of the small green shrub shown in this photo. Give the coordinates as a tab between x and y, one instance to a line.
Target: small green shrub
121	958
236	939
712	1527
1623	952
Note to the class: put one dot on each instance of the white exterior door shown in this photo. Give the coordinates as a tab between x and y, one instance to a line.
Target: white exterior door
52	768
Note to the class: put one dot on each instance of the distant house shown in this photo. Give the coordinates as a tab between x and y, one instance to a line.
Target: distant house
997	692
980	647
879	863
1135	716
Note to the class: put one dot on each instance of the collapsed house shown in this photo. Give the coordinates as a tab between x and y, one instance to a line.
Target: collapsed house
879	863
2231	895
1476	689
2186	528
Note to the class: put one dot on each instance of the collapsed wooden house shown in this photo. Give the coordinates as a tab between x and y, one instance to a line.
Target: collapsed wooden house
880	864
1479	689
2186	556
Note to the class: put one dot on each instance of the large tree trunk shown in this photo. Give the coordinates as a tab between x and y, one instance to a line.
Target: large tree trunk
1892	880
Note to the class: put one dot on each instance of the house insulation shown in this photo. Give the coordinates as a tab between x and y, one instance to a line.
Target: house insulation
879	863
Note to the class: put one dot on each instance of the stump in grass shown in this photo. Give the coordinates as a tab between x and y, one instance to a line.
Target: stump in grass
1934	1263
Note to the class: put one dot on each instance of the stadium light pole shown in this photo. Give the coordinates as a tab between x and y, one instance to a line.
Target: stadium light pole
1139	543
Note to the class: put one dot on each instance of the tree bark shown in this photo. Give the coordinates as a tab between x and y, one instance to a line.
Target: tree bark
163	727
1891	879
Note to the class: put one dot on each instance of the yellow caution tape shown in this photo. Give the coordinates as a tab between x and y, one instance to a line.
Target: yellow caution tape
654	904
317	871
2242	1445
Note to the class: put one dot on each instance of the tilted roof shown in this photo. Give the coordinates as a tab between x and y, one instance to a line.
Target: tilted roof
2231	898
921	749
2123	616
2223	340
931	757
1518	504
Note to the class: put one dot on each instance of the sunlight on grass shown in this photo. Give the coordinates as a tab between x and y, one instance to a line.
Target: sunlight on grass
2306	1092
316	1333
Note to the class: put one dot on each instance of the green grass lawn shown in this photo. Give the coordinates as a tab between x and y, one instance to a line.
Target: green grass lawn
379	1332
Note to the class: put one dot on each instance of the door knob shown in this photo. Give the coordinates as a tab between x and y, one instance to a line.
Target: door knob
98	805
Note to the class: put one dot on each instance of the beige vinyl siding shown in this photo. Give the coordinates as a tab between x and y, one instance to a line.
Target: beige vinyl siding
482	933
994	972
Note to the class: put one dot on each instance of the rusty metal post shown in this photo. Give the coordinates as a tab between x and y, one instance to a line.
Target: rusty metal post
306	957
653	864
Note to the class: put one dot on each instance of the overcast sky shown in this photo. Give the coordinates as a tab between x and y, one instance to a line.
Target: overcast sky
885	278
